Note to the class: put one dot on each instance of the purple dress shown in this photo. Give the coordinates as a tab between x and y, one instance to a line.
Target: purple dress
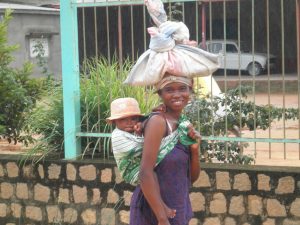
174	180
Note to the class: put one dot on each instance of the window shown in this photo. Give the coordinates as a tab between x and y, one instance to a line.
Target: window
231	48
35	50
214	47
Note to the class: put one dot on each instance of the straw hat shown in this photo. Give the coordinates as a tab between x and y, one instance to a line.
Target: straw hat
123	107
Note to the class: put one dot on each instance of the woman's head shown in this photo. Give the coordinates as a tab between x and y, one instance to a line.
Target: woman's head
175	91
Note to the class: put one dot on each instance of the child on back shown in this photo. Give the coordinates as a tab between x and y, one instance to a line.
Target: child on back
126	137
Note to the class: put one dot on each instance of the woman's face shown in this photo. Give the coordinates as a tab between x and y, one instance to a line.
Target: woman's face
175	95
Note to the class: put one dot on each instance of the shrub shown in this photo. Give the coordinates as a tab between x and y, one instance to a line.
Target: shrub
233	112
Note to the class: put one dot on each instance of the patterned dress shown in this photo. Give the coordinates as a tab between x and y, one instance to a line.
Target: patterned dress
174	180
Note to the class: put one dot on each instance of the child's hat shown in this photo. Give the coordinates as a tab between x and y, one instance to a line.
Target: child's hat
123	107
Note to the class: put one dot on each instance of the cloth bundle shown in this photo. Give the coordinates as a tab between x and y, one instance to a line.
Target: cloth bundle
170	51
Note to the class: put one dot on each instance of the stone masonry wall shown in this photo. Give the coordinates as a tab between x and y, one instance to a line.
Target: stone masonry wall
92	192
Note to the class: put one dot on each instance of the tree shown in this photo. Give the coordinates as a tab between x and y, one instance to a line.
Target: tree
18	93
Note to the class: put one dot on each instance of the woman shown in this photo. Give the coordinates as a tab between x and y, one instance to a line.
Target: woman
169	182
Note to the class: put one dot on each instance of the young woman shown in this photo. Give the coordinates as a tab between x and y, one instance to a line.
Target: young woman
169	182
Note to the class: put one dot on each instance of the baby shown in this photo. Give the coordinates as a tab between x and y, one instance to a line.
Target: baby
127	139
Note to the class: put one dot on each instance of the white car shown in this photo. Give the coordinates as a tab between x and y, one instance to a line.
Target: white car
235	58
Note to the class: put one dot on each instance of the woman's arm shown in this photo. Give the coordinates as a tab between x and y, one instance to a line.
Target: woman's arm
153	135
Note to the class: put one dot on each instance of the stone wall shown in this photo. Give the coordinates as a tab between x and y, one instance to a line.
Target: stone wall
92	192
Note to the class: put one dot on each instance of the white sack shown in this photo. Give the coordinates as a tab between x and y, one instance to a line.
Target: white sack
170	51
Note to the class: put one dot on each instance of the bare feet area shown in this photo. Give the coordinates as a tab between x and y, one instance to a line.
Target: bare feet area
275	154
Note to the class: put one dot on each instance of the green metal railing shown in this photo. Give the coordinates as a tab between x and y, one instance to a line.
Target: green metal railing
205	15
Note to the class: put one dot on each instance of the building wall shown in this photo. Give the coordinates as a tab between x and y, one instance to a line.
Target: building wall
92	192
26	25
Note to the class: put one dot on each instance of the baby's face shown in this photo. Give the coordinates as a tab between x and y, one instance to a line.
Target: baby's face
127	124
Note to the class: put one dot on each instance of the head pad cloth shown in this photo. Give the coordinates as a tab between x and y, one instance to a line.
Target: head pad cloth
170	51
168	79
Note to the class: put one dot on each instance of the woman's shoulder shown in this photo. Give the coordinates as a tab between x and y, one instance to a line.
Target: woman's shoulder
157	117
155	120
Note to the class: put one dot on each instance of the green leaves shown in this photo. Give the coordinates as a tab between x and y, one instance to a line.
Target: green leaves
5	50
18	96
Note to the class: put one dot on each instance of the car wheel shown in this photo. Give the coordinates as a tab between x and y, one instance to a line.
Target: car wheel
254	69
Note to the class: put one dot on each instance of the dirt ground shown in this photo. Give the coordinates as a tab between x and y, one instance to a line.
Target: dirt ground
6	148
277	154
265	154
